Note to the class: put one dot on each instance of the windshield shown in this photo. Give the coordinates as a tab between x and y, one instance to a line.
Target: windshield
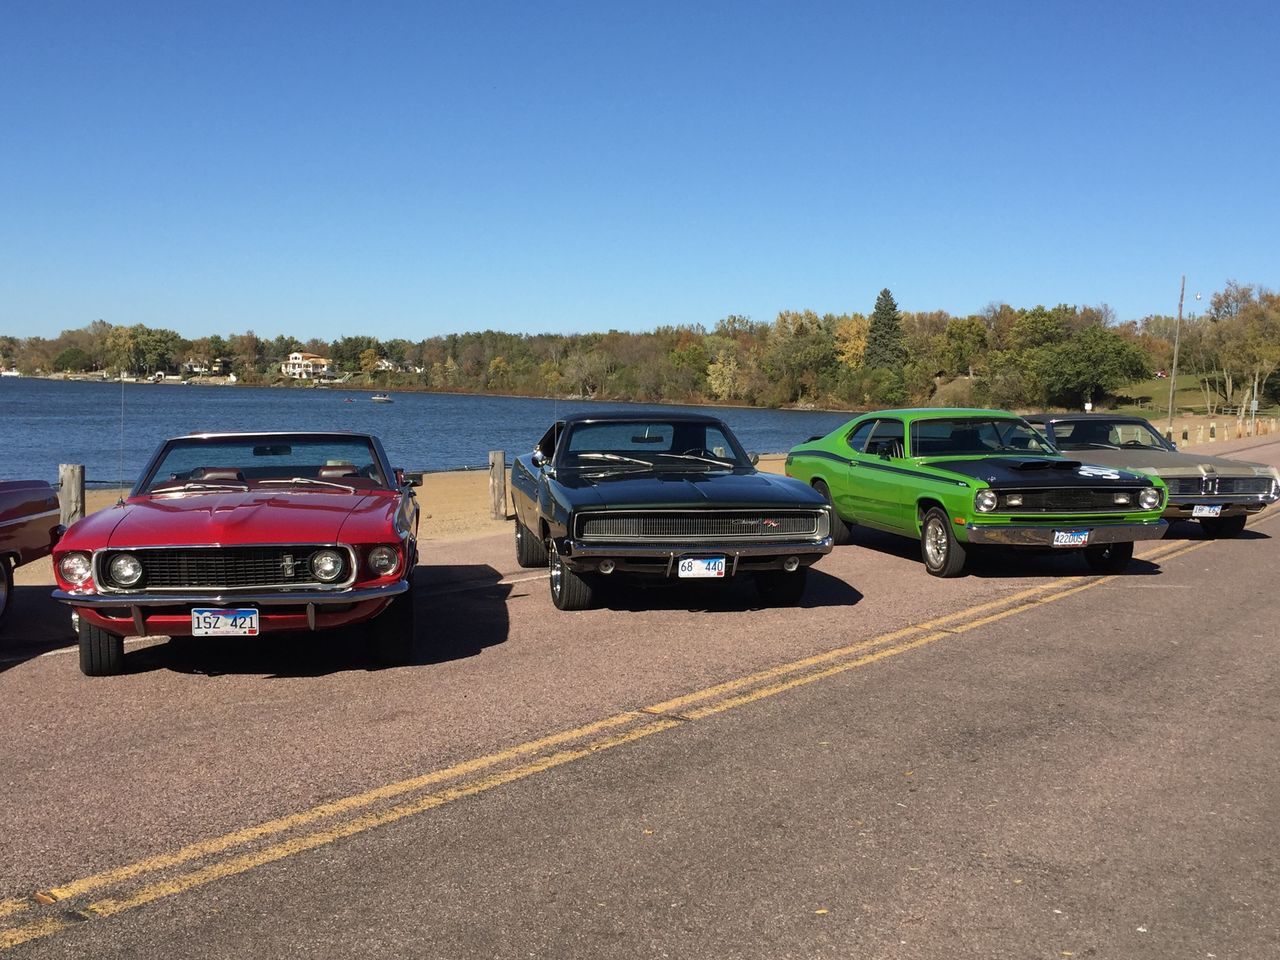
1106	435
319	463
976	436
646	444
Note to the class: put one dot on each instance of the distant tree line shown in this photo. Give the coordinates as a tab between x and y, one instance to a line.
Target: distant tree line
1004	356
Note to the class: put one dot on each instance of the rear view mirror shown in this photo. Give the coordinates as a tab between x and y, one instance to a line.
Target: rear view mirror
753	457
272	450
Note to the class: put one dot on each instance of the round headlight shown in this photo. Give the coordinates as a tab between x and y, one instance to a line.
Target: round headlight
984	501
75	568
327	565
384	561
1149	498
125	569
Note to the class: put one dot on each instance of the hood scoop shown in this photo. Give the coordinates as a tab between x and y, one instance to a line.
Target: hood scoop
1045	463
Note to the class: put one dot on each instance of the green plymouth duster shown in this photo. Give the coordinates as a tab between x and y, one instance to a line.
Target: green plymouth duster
955	478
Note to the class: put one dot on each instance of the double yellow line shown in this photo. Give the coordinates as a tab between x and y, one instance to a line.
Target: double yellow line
234	853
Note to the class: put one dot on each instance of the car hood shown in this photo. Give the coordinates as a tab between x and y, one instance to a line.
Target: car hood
256	516
676	489
1167	463
1037	472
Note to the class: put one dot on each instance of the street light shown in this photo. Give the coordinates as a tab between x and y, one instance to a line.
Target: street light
1173	374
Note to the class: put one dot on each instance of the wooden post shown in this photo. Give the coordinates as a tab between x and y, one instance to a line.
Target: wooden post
1200	433
1213	430
498	484
71	492
1185	433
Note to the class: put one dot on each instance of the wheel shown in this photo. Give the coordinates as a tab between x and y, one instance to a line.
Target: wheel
530	550
569	591
943	554
840	532
393	630
781	589
101	653
1223	528
6	585
1109	557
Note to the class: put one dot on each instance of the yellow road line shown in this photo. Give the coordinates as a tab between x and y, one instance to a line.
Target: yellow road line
991	611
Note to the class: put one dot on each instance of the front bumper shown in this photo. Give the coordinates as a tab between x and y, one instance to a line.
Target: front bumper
660	558
169	613
1233	504
1025	535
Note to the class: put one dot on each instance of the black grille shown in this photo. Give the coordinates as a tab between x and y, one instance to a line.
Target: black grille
698	525
203	568
1184	486
1070	500
1244	485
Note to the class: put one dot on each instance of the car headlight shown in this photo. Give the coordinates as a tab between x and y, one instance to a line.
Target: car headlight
75	568
1149	498
384	561
125	570
327	565
984	501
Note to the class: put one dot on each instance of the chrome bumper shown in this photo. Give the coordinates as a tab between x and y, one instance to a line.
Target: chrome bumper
1021	535
232	598
575	552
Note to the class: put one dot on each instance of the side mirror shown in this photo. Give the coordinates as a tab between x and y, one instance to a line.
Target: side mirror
753	457
407	479
539	459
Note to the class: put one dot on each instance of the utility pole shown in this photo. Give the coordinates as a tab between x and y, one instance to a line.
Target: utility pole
1173	374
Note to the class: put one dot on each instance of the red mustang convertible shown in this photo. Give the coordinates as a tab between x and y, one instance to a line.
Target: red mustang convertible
236	534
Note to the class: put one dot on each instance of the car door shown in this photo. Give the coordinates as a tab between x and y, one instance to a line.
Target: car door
881	475
850	493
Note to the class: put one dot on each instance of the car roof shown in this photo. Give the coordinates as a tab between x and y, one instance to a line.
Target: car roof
337	434
623	416
927	412
1055	417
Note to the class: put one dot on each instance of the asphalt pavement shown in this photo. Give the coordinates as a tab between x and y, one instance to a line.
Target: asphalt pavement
1029	761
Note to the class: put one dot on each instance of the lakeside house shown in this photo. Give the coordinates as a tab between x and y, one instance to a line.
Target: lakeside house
307	366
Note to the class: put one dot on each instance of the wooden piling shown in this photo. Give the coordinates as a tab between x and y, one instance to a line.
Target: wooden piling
70	492
1213	430
498	484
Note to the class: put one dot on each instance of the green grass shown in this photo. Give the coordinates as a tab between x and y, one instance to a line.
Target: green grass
1150	398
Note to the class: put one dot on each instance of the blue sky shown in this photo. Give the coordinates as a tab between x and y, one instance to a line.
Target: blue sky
411	169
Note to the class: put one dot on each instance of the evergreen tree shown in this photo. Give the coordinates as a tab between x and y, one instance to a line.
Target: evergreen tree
885	347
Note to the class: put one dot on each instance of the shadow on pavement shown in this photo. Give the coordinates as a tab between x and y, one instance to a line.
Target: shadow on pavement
736	595
1192	530
35	624
451	625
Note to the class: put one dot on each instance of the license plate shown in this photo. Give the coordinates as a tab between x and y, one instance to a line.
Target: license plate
1204	510
701	567
1070	538
206	622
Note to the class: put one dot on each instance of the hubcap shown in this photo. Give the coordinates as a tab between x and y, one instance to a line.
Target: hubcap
935	543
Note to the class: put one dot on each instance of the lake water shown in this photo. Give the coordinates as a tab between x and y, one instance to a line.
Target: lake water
113	428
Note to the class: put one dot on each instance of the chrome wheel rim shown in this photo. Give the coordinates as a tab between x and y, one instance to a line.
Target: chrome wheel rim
935	543
557	571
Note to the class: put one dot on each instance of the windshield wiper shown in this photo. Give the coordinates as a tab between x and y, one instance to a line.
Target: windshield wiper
311	480
692	456
613	458
181	488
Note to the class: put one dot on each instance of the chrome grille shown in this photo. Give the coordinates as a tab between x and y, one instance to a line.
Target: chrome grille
1212	485
221	568
1070	500
699	525
1244	485
1184	486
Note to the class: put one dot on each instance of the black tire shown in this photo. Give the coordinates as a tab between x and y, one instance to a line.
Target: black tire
840	533
1223	528
101	653
530	550
1109	557
782	589
6	585
943	554
393	631
569	591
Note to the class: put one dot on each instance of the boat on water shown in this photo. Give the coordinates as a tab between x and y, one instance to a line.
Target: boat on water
381	398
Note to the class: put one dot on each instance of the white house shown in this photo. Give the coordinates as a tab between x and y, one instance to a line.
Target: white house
306	366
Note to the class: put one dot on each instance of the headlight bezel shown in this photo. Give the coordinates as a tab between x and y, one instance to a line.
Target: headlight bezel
985	500
383	551
80	576
339	567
